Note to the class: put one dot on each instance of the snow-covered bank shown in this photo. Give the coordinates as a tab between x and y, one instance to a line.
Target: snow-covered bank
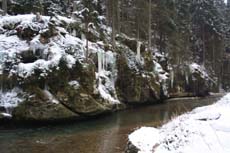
204	130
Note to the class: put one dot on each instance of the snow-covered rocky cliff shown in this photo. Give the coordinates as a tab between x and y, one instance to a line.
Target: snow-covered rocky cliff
49	71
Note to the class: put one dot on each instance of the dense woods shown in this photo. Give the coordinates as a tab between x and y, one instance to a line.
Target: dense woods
186	31
67	60
112	52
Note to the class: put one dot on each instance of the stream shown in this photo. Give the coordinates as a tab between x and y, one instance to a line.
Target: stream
107	134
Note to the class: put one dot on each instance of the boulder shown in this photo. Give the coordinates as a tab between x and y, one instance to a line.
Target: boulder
136	87
39	106
81	99
81	102
130	148
130	42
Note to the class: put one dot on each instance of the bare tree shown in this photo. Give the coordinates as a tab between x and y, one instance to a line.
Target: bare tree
114	21
150	25
4	7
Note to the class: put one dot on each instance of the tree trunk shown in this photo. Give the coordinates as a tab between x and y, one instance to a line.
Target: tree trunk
213	54
74	6
118	17
108	12
87	42
4	7
113	23
203	39
150	25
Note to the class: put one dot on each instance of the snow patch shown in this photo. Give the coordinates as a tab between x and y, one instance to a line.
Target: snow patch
142	139
10	100
75	84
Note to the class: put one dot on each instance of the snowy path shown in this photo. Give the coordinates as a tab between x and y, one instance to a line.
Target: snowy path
204	130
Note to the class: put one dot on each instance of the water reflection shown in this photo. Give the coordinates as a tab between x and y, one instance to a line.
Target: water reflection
105	135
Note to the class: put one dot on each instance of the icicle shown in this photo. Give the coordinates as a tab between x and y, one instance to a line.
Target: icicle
106	59
1	81
74	33
99	62
186	78
103	61
9	110
46	87
139	51
82	36
172	78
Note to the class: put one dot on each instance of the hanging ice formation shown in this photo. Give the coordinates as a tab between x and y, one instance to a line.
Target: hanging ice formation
138	57
186	78
104	60
49	95
172	78
74	32
100	61
107	71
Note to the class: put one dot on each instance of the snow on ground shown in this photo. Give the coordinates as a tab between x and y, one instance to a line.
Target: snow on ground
204	130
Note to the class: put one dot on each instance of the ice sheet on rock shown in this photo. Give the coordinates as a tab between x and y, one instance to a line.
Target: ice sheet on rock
10	100
6	115
106	76
106	87
50	96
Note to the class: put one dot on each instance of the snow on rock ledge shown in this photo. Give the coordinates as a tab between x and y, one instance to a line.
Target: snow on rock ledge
9	100
204	130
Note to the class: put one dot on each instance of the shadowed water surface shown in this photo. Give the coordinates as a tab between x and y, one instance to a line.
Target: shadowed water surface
106	134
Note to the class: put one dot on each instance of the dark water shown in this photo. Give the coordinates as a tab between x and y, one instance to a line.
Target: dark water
107	134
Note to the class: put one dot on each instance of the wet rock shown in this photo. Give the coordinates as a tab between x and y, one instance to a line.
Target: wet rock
39	107
80	102
130	148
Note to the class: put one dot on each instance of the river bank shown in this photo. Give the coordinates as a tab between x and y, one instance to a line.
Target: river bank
207	126
9	122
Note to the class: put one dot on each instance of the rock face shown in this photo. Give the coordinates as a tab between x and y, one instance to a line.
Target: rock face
190	80
134	86
130	148
60	77
39	106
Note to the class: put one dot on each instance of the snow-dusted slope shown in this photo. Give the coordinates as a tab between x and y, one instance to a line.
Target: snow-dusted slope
32	51
204	130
